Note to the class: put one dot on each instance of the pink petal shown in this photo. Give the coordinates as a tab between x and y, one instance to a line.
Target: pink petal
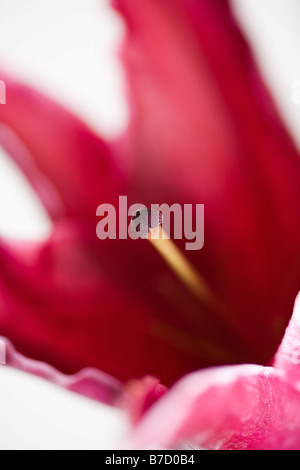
205	130
244	407
70	167
88	382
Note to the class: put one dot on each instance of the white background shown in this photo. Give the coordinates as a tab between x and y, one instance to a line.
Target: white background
66	48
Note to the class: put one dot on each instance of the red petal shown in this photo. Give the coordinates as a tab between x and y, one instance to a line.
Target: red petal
59	305
69	166
240	407
205	130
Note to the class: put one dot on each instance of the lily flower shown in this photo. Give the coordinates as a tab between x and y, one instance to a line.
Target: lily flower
203	129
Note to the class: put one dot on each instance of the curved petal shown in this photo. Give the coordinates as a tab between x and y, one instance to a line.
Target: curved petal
88	382
205	130
240	407
70	167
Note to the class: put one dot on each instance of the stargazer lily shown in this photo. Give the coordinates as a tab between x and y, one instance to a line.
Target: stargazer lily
203	130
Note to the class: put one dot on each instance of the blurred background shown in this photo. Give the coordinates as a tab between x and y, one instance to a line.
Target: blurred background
67	48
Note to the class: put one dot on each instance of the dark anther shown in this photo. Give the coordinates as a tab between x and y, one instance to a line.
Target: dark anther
145	220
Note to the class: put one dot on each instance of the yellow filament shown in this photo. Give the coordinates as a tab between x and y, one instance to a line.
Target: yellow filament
180	265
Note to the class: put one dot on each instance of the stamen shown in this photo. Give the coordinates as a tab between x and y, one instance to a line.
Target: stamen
149	224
